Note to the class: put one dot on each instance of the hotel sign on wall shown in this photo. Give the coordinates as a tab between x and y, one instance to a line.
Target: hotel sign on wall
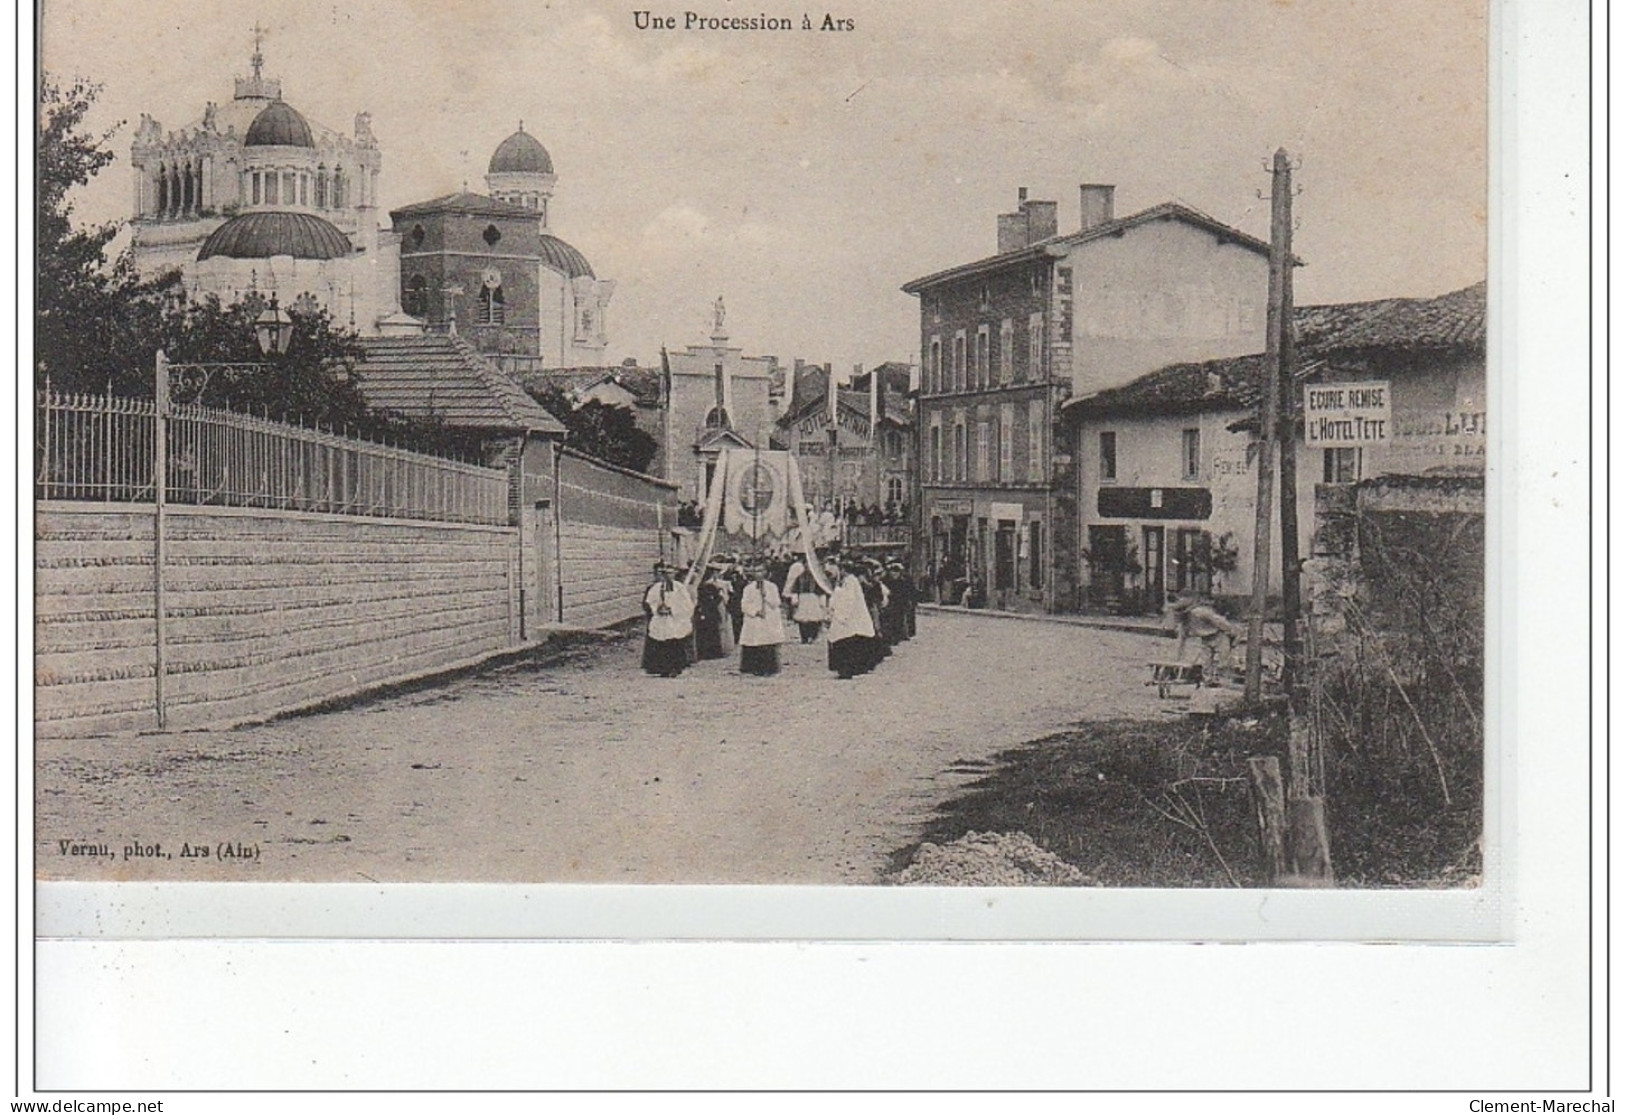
1347	415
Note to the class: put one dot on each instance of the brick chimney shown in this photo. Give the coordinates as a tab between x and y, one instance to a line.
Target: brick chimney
1012	232
1013	226
1043	220
1096	204
1031	222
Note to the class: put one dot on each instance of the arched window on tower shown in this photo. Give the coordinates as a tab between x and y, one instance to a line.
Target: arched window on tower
174	191
163	191
717	419
493	310
416	298
338	187
321	186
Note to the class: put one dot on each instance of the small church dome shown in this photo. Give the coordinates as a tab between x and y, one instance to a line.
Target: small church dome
279	125
264	235
564	258
520	153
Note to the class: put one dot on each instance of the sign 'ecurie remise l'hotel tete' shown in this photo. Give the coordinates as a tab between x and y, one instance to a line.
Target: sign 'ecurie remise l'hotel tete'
1347	415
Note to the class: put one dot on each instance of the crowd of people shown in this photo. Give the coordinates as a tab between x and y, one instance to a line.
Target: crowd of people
744	603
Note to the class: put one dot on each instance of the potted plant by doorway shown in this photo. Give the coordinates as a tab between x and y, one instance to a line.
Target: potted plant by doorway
1131	601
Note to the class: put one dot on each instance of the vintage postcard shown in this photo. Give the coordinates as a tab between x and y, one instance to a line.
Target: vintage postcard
1025	446
891	476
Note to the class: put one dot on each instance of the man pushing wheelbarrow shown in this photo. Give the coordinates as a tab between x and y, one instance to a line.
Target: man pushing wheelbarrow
1193	619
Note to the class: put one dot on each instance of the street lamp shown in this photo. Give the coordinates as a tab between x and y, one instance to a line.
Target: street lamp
274	329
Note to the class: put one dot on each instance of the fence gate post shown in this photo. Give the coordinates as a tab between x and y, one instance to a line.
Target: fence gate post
160	480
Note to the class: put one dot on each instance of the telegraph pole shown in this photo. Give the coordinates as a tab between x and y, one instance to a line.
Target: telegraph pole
1269	414
1287	350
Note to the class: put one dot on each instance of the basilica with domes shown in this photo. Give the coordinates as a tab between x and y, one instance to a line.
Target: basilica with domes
486	266
256	198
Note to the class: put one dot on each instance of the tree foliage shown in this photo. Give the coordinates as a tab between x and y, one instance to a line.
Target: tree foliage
609	433
99	325
91	314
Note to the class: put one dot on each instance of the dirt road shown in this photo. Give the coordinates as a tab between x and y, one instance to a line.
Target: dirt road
582	769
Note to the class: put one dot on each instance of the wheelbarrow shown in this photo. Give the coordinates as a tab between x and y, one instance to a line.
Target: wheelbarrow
1166	675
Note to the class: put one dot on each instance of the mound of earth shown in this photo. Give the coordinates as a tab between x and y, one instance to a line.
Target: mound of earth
988	859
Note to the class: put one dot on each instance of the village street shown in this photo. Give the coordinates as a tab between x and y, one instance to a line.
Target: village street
575	767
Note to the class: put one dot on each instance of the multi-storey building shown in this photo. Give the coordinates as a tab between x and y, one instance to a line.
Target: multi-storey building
1166	463
1007	339
871	461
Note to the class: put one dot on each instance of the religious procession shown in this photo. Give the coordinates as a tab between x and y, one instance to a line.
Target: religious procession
779	570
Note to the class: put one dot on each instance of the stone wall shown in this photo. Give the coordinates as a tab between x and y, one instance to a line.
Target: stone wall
266	610
612	526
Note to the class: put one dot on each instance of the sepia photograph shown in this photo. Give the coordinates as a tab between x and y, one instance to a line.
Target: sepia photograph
567	545
1018	445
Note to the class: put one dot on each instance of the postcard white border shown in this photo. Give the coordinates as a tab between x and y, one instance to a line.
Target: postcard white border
857	1014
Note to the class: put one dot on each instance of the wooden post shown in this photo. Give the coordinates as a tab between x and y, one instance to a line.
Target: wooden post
1287	351
1268	420
1307	834
1269	801
1311	845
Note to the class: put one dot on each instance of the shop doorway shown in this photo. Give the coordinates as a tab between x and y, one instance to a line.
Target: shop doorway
953	559
1193	561
1004	557
1152	551
1108	554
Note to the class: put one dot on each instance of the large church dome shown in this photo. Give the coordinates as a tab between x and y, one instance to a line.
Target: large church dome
520	153
264	235
279	125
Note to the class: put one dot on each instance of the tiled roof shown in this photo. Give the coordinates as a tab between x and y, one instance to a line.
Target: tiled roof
642	382
1454	320
894	377
1181	389
465	201
443	376
893	407
1450	321
1167	211
808	383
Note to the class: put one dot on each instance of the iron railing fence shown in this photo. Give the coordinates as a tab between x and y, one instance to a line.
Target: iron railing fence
101	447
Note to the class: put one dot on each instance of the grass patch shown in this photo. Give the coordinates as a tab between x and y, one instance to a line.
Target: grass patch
1168	804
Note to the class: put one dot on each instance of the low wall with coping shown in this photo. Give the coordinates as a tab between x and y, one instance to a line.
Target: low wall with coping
612	529
265	610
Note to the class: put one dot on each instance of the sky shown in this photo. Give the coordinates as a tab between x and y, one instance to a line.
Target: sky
804	176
